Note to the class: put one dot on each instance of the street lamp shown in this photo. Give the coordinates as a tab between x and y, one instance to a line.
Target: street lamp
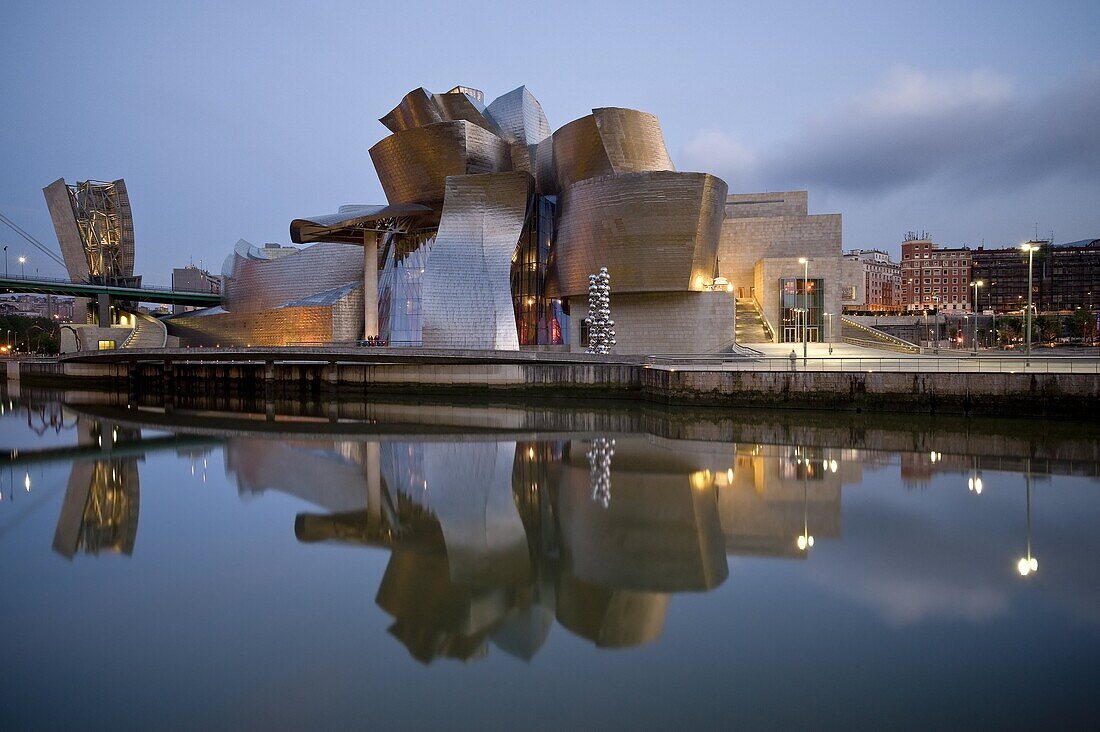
976	284
1030	248
936	321
806	301
23	267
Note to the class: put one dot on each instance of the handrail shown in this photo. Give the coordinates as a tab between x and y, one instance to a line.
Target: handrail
763	318
861	364
880	335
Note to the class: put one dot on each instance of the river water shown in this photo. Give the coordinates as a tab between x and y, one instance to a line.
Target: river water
225	564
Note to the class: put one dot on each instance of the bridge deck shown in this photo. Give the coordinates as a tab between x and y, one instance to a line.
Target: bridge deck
162	295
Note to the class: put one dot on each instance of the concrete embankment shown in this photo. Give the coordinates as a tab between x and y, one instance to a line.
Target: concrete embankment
1015	394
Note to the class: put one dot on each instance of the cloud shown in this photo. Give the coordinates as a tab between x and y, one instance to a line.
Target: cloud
969	133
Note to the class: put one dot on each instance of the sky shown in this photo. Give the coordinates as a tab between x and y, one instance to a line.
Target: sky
974	121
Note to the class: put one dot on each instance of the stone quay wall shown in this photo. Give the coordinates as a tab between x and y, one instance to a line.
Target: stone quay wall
1007	394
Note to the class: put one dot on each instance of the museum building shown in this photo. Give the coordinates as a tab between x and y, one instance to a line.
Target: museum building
493	224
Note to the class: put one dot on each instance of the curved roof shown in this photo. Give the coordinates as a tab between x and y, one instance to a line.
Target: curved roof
348	225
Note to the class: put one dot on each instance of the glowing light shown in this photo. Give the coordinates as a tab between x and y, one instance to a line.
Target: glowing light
729	475
804	541
530	453
832	466
27	481
700	480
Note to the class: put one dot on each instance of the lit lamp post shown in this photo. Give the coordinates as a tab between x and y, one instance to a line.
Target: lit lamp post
23	267
936	321
1030	248
806	302
975	284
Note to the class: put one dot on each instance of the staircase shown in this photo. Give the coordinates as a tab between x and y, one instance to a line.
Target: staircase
862	335
148	332
749	326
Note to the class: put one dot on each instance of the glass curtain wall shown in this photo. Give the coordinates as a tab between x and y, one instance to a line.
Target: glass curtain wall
539	319
400	322
793	300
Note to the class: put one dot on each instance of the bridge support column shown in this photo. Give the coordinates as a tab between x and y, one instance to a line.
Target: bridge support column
370	284
103	308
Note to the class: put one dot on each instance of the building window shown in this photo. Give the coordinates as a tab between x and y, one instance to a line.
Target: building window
793	297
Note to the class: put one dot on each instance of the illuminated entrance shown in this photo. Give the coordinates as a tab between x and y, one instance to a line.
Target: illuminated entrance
800	309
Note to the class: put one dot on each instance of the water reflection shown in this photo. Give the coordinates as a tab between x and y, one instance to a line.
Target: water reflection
497	533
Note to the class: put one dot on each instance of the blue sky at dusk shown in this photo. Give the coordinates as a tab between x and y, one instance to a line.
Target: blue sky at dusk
970	120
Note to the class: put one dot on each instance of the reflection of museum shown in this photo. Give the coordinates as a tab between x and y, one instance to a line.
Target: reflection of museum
491	542
493	225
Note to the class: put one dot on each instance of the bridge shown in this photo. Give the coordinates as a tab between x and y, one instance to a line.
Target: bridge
154	294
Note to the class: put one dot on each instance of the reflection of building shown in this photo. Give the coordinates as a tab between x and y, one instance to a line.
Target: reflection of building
493	541
100	509
494	224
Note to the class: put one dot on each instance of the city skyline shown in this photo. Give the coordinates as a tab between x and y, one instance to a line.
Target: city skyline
226	123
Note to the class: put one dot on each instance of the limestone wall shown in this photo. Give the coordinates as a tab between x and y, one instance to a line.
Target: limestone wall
663	322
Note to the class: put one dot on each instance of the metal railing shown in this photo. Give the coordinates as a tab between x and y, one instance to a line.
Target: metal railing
878	338
763	318
911	364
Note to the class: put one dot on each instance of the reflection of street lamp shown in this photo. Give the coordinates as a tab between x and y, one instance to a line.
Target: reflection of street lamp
805	540
974	483
1028	564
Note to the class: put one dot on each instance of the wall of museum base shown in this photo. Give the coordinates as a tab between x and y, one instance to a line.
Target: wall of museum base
663	322
342	322
1055	395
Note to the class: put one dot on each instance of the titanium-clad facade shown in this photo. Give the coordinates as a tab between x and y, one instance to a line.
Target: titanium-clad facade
494	223
413	164
611	140
654	231
483	220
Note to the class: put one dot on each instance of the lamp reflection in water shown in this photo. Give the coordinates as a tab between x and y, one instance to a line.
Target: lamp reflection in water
974	482
1028	564
805	540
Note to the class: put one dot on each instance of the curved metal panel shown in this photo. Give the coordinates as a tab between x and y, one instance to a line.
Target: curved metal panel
456	105
416	109
466	292
610	140
68	234
632	140
413	165
520	117
260	283
654	231
126	226
579	153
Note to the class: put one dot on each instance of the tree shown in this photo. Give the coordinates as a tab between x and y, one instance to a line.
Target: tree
1082	324
1009	329
1050	327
